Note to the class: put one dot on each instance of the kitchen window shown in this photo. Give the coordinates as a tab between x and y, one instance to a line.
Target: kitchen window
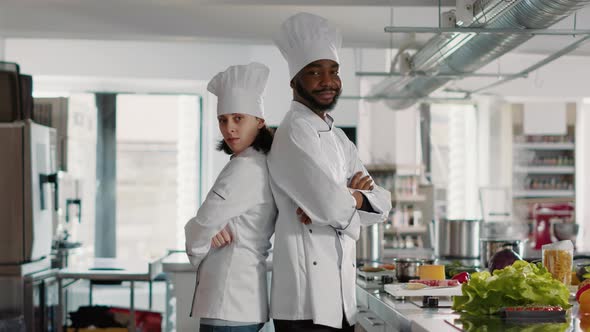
158	164
456	160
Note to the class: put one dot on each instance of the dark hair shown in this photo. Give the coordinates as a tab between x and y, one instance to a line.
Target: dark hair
261	143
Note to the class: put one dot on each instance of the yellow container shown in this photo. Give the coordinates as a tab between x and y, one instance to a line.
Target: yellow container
431	272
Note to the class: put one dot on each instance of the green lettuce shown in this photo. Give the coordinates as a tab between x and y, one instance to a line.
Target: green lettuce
520	284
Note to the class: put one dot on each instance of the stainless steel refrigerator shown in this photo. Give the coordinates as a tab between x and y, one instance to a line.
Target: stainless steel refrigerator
28	191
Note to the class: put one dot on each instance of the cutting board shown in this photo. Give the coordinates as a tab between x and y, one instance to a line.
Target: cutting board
399	290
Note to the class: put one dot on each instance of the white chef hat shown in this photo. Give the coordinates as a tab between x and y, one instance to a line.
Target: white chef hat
239	89
305	38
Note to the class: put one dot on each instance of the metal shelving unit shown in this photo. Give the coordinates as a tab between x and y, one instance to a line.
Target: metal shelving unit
544	193
545	169
545	146
543	165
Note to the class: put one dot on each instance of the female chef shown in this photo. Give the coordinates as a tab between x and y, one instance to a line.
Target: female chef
229	239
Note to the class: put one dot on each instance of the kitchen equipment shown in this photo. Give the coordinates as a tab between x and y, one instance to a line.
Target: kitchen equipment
34	296
10	101
16	93
489	247
564	231
26	198
504	230
406	269
457	239
374	279
399	290
496	204
369	247
67	220
544	215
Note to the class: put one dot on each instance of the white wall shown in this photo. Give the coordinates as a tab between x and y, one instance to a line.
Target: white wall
182	67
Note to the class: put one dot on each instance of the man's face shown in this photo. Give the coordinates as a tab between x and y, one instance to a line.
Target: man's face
318	85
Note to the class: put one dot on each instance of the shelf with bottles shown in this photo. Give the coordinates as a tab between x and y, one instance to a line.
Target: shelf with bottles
402	181
547	182
404	218
545	169
544	140
544	193
380	168
407	241
417	229
544	162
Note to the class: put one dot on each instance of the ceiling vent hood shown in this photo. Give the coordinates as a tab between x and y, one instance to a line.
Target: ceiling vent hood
463	53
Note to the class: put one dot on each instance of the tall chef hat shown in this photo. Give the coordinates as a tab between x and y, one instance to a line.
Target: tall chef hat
240	89
305	38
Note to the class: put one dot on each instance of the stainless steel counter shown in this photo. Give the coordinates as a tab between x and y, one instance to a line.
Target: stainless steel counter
178	262
379	309
108	269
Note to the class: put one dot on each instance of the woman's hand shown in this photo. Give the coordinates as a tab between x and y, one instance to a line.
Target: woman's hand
221	239
303	218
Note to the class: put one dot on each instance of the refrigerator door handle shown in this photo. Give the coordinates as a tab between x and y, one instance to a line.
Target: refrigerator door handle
49	178
72	201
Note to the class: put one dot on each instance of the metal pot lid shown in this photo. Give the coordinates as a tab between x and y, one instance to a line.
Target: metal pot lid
413	260
491	239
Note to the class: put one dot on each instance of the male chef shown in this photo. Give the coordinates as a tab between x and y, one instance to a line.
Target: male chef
322	190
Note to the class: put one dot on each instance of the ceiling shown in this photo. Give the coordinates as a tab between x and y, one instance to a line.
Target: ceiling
241	21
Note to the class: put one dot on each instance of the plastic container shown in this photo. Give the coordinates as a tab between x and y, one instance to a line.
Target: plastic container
558	258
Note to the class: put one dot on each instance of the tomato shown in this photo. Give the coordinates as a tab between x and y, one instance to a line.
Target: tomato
581	290
585	323
461	277
585	303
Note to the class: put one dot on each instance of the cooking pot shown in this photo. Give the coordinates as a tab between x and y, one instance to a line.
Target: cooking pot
406	269
489	247
457	238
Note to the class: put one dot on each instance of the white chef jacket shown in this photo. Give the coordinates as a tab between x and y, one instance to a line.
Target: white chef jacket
314	270
231	281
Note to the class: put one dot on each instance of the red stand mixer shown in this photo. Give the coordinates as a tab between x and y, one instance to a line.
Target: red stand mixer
545	216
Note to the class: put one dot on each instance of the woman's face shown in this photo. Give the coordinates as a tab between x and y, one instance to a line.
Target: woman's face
239	130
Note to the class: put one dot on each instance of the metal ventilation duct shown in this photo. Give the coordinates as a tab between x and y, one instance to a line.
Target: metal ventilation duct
465	53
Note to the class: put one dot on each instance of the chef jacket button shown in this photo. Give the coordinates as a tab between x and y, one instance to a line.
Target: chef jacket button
353	265
310	231
315	263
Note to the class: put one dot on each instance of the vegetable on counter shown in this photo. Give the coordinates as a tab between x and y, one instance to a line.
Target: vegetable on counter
456	267
583	272
461	277
521	284
583	297
503	258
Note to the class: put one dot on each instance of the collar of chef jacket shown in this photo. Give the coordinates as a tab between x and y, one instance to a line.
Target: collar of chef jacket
316	121
249	151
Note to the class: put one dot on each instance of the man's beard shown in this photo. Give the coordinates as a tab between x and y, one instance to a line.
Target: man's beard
314	104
